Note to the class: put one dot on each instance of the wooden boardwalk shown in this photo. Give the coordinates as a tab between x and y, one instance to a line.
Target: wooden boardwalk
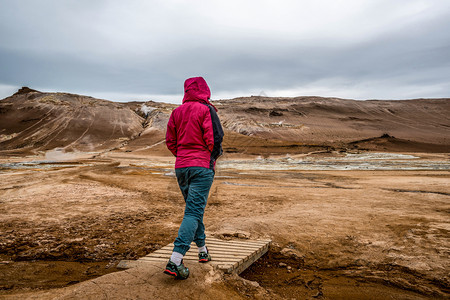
230	256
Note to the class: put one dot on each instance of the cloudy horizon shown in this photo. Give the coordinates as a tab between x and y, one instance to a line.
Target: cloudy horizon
144	50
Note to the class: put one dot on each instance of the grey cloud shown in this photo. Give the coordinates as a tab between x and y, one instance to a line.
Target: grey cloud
150	47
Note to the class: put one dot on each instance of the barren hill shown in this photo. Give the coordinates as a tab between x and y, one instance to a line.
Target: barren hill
262	125
409	125
34	121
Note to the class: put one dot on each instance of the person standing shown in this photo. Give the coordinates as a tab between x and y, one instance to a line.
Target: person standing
194	136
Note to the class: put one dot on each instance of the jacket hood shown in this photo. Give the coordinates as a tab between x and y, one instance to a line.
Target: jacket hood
196	89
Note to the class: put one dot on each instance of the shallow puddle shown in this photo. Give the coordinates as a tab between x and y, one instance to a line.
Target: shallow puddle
39	275
363	161
37	165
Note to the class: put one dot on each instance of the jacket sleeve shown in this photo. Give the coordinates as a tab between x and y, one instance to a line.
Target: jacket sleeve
213	133
171	136
207	129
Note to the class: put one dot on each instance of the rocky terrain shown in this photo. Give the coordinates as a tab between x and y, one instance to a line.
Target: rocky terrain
33	121
353	194
412	125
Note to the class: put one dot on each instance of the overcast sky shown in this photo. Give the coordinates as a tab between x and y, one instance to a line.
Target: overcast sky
145	49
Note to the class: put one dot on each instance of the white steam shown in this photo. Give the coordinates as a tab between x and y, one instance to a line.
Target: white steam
59	154
146	109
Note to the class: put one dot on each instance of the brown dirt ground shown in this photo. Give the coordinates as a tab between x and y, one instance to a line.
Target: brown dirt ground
336	234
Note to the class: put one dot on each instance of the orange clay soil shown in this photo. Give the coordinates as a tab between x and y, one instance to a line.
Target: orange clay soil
337	234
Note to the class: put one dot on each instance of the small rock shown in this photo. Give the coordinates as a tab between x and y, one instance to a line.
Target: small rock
291	253
360	262
289	267
243	235
249	283
282	265
317	295
228	234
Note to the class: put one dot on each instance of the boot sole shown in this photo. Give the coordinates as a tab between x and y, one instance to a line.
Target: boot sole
170	273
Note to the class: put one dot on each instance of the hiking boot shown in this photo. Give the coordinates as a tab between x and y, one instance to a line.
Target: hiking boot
179	272
204	257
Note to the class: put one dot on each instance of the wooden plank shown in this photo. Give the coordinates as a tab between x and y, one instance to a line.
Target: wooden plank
195	257
230	256
230	246
225	244
249	262
235	243
226	259
211	249
213	254
231	242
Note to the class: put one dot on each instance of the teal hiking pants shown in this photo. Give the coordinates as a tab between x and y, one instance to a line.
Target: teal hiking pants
194	183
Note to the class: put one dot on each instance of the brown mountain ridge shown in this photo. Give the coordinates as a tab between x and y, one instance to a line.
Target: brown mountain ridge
33	121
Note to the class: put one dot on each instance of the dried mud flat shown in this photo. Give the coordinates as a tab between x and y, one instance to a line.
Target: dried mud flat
343	227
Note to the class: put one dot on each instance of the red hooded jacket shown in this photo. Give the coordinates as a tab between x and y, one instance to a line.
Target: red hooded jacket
194	133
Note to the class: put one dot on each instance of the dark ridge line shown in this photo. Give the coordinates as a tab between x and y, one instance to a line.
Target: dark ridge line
385	135
418	191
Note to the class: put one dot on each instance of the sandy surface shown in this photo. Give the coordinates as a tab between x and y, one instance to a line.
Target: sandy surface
364	231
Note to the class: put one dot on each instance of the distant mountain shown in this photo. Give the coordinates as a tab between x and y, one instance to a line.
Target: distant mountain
396	125
32	121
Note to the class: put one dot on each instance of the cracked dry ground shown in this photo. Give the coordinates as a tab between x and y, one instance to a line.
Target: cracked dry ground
336	234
